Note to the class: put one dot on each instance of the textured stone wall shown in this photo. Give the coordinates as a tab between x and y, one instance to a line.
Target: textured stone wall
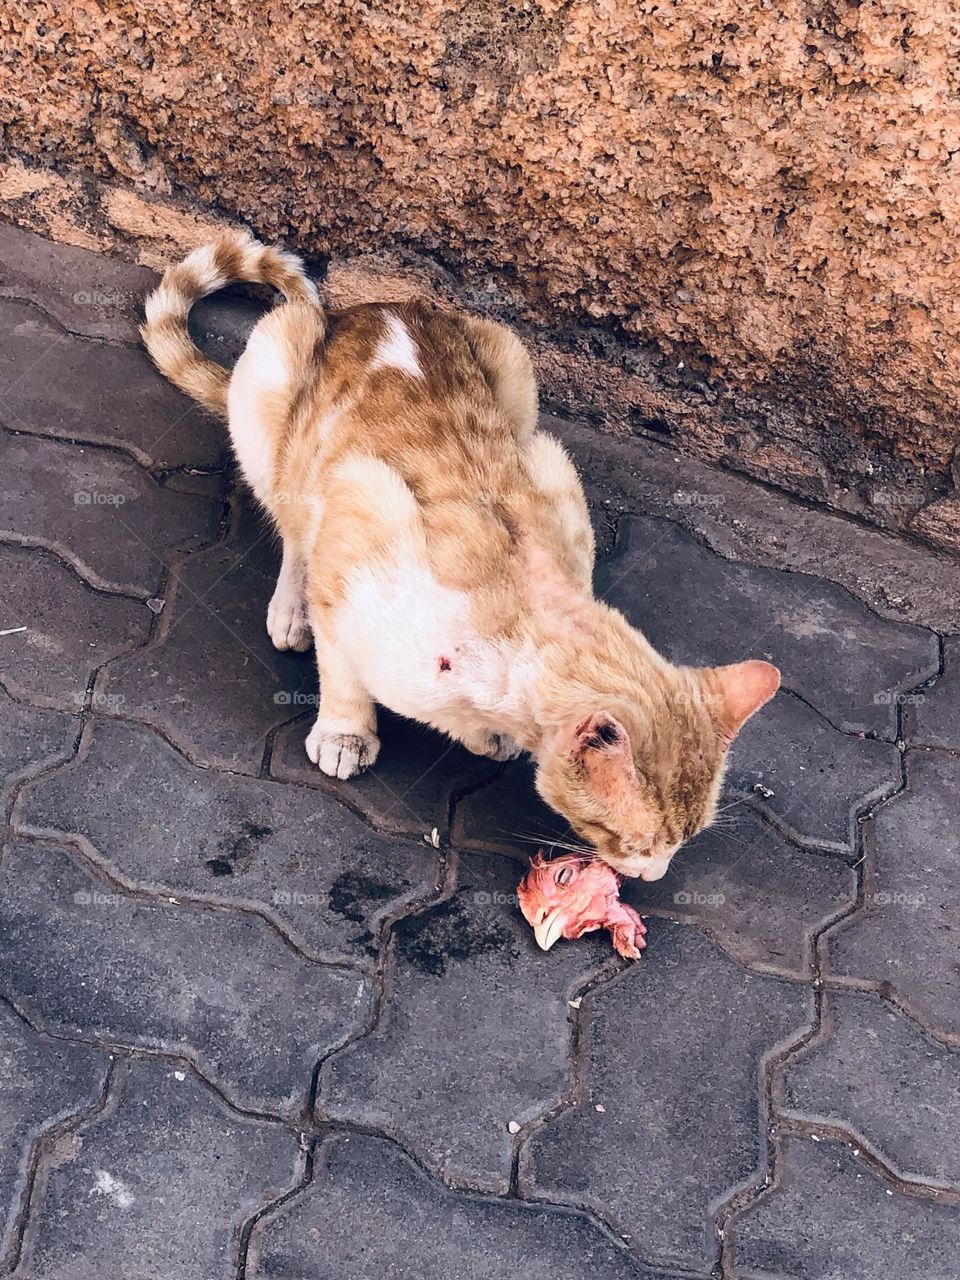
730	225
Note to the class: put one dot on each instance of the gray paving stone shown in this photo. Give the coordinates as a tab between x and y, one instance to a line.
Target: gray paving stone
820	778
756	524
28	739
759	896
931	717
697	608
475	1032
71	628
220	988
162	824
212	681
100	510
372	1215
86	292
876	1074
158	1185
908	935
830	1218
507	816
669	1120
408	791
42	1081
220	325
55	384
102	297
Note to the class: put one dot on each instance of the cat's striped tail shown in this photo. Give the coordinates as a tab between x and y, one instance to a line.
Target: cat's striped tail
233	256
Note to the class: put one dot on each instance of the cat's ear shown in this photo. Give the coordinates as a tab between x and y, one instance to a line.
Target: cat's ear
601	746
740	690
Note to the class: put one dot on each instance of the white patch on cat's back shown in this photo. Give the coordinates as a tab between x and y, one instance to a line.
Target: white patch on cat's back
396	349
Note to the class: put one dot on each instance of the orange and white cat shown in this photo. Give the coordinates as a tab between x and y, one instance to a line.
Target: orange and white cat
438	552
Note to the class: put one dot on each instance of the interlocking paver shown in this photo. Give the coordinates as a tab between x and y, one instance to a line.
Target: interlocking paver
908	935
371	1213
410	789
86	292
218	987
213	681
99	509
820	778
840	657
875	1073
157	1185
55	384
71	628
475	1032
221	325
670	1118
42	1081
101	297
830	1218
30	738
931	716
507	816
163	824
758	895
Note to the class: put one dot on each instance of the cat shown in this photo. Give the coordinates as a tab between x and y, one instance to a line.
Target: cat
438	553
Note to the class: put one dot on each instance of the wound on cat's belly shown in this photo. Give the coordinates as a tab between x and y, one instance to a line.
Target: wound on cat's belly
445	664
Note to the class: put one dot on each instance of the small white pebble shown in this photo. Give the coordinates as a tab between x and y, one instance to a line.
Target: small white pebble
815	1138
179	1075
889	1192
575	1004
600	1107
433	839
512	1126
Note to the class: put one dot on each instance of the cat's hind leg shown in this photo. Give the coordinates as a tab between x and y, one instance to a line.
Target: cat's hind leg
508	369
266	387
549	467
287	622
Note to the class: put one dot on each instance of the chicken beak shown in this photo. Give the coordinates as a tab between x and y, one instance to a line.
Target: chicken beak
549	929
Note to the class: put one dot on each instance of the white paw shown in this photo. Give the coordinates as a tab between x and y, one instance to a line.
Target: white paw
341	755
497	746
287	624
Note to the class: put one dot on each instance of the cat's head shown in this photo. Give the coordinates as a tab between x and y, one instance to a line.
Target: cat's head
636	779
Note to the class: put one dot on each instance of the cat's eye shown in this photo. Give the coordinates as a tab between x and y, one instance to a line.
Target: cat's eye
564	875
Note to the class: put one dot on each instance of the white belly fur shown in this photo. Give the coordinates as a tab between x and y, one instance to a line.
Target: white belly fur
401	628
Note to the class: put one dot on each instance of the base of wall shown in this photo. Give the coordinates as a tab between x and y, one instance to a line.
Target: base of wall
596	375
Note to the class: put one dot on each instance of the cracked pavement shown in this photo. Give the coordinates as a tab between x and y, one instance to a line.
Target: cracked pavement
255	1023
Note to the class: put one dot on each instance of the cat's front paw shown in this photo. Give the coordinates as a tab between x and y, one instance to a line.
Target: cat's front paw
497	746
341	755
287	624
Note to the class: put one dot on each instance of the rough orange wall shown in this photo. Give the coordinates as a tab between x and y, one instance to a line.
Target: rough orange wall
732	224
